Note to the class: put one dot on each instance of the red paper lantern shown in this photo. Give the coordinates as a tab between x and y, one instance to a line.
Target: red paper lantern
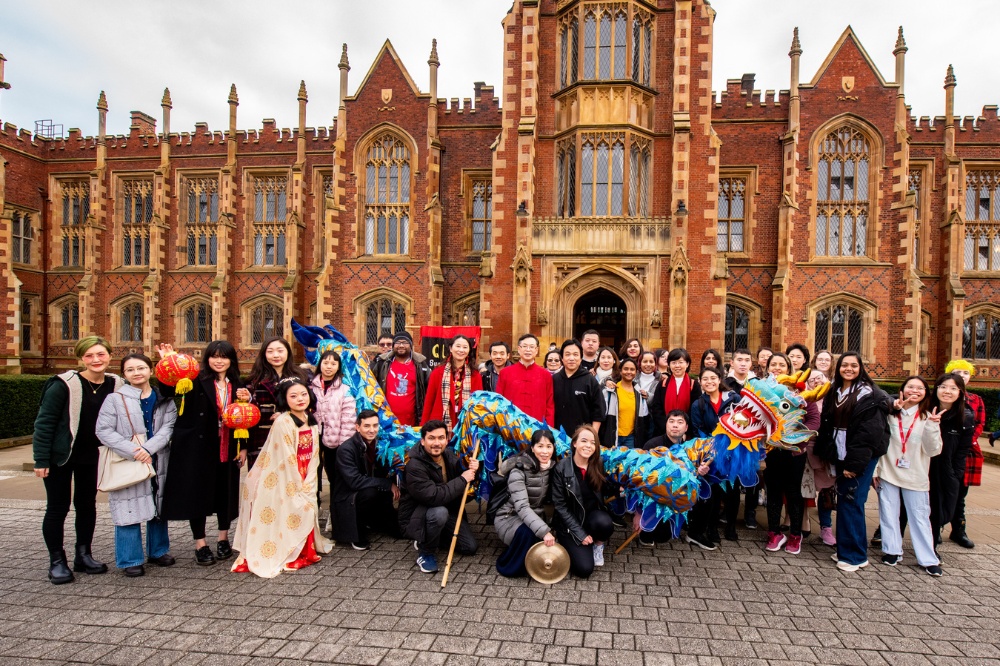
179	371
240	416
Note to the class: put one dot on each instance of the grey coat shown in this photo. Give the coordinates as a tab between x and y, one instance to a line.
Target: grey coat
136	504
529	488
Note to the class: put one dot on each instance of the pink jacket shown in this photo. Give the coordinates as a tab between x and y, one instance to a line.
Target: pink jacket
335	411
821	468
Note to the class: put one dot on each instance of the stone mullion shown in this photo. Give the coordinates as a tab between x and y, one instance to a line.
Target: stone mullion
159	231
680	163
228	218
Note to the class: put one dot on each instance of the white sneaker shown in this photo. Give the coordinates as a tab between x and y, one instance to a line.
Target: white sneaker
844	566
598	554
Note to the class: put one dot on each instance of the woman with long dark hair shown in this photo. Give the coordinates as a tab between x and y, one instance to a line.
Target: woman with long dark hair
451	384
273	363
581	523
676	390
336	412
203	476
710	358
853	435
948	469
798	355
901	476
631	349
520	522
627	418
64	446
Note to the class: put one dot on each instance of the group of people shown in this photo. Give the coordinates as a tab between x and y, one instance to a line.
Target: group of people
918	450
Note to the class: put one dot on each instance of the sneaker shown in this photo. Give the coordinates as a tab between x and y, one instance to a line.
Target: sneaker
775	540
877	537
204	556
934	570
700	541
826	534
846	567
598	554
427	563
646	539
891	560
794	545
751	522
360	545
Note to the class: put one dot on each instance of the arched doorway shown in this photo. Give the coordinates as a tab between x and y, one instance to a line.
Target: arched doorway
604	312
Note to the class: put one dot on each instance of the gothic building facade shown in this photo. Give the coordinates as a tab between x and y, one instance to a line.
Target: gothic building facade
605	185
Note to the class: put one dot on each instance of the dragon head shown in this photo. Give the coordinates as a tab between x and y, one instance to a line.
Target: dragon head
767	411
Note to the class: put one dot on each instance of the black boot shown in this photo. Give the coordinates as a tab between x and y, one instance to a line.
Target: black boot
59	572
959	536
85	562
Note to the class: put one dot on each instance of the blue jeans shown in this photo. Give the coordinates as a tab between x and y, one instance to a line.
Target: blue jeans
128	542
825	517
852	533
627	441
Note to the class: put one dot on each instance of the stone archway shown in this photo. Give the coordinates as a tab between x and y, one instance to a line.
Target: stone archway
576	284
603	312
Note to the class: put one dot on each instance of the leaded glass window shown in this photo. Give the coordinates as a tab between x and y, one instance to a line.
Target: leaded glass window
197	323
482	215
737	329
839	328
270	212
732	215
136	201
387	197
843	201
982	221
22	235
383	316
130	320
266	321
981	337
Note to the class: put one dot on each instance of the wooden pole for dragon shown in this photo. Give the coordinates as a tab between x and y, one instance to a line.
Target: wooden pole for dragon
458	523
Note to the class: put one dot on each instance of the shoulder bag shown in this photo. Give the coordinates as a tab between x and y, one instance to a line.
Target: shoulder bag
115	471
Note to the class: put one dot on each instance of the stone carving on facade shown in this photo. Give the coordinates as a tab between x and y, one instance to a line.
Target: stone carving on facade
655	322
522	265
542	317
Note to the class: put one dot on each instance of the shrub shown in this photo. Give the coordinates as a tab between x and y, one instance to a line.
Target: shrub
20	396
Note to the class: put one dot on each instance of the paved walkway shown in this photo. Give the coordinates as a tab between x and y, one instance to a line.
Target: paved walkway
666	605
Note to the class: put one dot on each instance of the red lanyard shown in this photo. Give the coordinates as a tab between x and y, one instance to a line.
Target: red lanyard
904	438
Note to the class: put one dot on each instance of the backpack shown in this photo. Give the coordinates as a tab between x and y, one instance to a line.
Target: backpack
499	494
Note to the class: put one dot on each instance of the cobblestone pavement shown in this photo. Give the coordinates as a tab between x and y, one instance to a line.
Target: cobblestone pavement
668	605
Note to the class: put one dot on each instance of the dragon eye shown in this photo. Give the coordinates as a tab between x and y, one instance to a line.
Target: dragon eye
784	406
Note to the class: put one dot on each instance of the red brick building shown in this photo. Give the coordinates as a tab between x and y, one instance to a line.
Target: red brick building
611	188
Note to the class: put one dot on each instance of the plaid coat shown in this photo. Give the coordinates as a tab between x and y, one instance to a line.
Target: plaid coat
974	463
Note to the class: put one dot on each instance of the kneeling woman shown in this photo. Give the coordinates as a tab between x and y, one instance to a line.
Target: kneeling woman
520	522
582	524
279	513
139	409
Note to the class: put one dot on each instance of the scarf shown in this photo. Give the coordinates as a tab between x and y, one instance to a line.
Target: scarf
844	402
464	378
222	400
674	399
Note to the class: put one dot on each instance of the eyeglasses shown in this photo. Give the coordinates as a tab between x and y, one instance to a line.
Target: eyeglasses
385	345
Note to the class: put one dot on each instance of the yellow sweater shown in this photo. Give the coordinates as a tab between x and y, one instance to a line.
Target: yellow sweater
626	410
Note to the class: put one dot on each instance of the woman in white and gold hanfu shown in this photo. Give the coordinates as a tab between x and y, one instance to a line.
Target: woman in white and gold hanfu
279	513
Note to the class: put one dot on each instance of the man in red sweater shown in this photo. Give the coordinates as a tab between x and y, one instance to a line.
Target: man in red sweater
527	385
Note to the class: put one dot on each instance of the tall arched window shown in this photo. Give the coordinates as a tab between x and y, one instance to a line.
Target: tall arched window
839	328
383	316
981	336
64	313
566	178
129	321
196	322
602	176
737	328
843	206
265	318
982	216
136	215
568	40
387	197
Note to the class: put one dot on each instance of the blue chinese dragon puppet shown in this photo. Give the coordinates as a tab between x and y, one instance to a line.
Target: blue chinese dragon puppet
660	485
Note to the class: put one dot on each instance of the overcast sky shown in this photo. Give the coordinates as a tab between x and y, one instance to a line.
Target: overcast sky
62	53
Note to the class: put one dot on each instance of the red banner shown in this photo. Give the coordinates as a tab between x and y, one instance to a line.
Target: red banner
434	341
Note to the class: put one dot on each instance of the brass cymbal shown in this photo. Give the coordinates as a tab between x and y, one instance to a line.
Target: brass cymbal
547	564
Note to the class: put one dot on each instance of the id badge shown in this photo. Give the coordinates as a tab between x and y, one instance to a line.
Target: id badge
902	463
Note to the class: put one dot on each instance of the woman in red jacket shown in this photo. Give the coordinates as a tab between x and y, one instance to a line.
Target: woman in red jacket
451	384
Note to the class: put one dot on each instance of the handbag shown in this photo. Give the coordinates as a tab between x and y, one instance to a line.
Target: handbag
808	486
115	471
826	499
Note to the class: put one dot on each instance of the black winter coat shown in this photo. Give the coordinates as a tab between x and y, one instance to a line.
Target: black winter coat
867	433
579	400
704	418
947	469
198	484
608	434
567	499
657	411
352	475
423	487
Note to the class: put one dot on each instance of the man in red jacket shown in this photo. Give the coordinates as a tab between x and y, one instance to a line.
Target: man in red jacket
527	385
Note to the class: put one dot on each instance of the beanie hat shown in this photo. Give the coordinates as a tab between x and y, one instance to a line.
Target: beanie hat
404	336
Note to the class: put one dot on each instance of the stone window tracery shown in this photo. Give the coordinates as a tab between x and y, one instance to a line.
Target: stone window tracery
737	328
732	215
914	182
129	321
196	322
75	195
603	173
981	335
64	315
270	214
136	214
982	221
481	217
387	197
843	194
616	43
201	220
383	315
263	318
22	237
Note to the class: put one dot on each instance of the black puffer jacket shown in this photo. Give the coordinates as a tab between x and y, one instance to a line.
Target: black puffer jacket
567	499
529	488
948	468
867	433
424	487
353	474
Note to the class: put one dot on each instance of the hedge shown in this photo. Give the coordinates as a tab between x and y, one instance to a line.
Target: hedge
21	394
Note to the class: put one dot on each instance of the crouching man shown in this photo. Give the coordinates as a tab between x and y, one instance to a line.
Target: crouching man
362	495
433	490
